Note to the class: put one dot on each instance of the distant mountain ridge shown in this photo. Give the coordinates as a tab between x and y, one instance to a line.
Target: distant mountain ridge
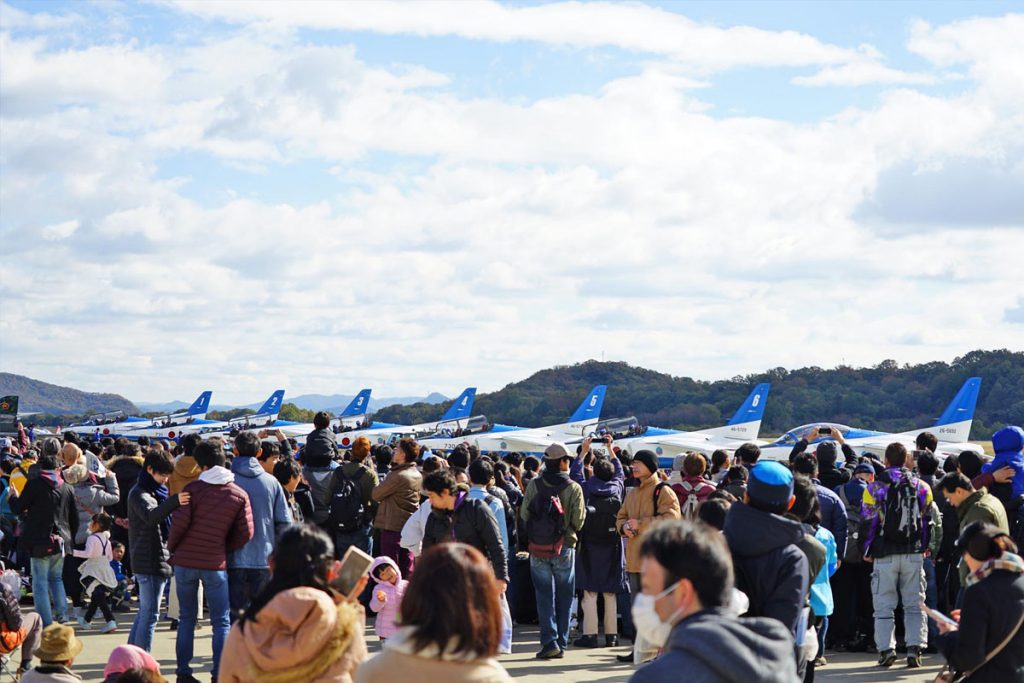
35	396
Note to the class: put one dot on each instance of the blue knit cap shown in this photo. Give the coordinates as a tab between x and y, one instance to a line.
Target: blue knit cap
770	484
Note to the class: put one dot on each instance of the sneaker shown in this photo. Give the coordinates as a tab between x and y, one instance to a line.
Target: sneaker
887	658
110	627
174	624
626	658
550	652
83	624
820	662
913	657
611	641
586	641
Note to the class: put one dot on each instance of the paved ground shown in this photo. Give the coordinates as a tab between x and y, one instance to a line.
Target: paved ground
592	666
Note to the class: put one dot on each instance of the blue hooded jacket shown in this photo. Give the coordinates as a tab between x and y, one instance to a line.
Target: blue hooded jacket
270	513
1008	444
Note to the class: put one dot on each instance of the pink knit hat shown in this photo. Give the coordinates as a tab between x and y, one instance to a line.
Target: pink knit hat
126	657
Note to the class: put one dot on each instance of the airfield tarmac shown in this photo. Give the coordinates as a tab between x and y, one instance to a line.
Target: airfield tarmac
579	665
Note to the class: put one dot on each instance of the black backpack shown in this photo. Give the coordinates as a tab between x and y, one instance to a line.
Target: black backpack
346	512
545	530
599	526
903	520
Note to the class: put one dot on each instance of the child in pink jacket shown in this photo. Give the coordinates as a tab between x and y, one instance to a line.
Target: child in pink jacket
387	595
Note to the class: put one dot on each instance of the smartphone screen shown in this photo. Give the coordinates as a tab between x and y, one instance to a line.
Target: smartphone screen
938	616
354	565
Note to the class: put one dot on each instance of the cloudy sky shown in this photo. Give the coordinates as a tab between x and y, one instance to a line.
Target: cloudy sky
415	197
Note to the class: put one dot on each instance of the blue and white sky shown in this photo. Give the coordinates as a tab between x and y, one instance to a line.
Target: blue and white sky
416	197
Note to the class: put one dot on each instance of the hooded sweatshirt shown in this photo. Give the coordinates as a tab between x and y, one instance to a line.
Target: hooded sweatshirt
387	610
300	635
1008	444
270	513
714	647
770	567
185	472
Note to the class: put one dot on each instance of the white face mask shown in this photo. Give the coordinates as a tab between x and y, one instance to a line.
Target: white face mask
645	617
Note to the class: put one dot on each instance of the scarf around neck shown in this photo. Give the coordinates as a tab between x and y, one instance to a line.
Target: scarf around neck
149	485
1007	562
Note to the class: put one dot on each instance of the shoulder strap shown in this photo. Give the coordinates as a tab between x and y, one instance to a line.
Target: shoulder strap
657	492
843	497
999	648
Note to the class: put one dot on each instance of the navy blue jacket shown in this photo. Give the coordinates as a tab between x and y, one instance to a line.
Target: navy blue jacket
833	516
714	647
770	567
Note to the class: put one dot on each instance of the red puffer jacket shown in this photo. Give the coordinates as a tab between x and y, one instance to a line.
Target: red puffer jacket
217	521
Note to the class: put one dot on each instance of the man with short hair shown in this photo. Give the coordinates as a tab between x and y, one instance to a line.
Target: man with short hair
481	479
687	585
149	507
972	505
897	518
47	532
218	521
554	513
319	460
248	566
747	455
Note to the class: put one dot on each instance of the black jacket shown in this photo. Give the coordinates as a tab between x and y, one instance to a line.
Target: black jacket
770	567
991	608
50	509
474	525
146	540
320	449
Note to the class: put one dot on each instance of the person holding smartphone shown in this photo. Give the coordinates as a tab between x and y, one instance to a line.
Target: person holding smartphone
271	641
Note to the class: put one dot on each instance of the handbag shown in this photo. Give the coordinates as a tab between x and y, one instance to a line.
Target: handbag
951	675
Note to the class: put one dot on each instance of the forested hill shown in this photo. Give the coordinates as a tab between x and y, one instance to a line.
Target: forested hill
888	396
40	397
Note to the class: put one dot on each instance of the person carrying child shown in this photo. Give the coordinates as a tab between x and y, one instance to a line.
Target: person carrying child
98	578
387	595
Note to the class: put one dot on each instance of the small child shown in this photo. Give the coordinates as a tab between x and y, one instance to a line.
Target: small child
123	590
97	574
387	595
1008	444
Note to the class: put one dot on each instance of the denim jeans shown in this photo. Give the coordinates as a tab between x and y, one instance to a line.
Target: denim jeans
47	584
554	583
243	584
893	578
151	591
215	585
360	538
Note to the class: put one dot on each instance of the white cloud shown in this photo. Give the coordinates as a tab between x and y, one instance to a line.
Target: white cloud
635	27
864	73
633	220
59	231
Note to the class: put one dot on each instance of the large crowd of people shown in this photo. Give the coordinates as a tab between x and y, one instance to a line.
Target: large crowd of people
727	567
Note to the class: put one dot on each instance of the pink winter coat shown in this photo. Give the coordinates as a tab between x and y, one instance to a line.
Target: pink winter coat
387	611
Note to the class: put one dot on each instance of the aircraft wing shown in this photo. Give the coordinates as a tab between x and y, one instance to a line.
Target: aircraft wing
535	442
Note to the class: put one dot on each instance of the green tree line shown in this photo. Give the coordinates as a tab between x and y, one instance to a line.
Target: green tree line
888	396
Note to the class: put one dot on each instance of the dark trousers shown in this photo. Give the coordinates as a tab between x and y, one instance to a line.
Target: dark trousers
99	602
72	579
854	613
243	585
360	538
390	546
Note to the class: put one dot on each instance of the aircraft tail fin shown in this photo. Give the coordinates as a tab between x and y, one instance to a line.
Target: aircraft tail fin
746	422
273	404
461	407
201	404
590	409
955	423
358	405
